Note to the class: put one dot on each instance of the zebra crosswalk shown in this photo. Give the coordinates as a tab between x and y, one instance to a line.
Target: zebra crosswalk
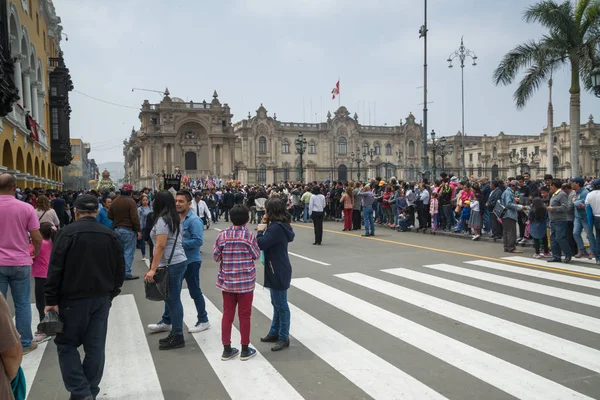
470	330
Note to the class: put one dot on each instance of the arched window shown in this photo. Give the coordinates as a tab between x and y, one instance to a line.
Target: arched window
555	163
342	146
285	147
388	149
377	149
312	147
286	174
37	23
365	147
190	161
555	139
411	149
494	152
262	174
262	145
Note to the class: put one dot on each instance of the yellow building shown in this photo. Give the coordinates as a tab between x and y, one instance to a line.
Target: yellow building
25	139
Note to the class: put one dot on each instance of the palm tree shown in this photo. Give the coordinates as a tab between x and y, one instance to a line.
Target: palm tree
572	40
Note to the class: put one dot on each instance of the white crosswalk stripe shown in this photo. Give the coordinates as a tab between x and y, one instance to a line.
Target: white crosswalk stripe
131	363
566	267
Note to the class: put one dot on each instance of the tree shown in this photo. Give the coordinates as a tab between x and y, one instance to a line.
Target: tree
572	40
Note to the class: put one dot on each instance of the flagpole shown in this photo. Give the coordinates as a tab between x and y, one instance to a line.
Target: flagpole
339	93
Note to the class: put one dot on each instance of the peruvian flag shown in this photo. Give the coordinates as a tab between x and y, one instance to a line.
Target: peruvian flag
336	90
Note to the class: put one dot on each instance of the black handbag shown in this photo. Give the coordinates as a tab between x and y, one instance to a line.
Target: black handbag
159	289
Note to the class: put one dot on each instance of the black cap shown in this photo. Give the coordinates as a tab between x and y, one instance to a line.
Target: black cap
86	202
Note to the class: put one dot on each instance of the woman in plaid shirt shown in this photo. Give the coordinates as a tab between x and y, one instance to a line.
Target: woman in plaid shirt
236	249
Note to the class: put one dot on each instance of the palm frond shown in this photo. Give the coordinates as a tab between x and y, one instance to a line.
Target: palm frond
534	77
554	16
588	58
591	20
580	10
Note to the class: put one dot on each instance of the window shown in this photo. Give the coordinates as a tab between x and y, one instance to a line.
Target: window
37	23
44	34
286	174
262	145
411	149
471	171
365	147
377	149
494	152
53	91
555	139
342	146
537	150
285	147
478	156
190	161
312	147
262	174
388	149
470	157
54	121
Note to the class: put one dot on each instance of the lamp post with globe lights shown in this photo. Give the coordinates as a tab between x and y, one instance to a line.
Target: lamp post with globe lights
301	144
437	147
595	75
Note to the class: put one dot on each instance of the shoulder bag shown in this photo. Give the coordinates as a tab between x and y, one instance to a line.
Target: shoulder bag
159	289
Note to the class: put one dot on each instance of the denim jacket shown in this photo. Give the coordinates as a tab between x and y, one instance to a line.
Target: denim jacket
193	236
579	203
508	201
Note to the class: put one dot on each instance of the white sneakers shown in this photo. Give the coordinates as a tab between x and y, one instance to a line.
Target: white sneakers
200	326
160	327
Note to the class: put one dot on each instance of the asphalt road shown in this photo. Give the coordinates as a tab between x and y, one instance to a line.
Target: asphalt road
395	316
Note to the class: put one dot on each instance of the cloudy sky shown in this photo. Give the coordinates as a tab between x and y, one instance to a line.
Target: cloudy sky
289	54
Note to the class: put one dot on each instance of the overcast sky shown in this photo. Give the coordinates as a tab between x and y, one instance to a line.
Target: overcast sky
285	54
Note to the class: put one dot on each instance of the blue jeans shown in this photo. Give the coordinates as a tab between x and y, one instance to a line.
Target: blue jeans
86	324
558	239
20	288
305	214
486	220
581	224
128	240
280	326
192	278
173	306
369	220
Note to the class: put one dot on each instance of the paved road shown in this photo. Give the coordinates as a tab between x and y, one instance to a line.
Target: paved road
397	316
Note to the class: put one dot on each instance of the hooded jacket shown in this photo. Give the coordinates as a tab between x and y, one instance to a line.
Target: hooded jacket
273	241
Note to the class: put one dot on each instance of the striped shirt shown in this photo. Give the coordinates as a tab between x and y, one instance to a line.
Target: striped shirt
236	249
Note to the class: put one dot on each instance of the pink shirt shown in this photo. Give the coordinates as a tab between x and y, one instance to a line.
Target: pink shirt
39	269
18	218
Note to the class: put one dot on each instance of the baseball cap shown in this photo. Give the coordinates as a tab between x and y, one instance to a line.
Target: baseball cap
86	202
127	186
596	182
578	180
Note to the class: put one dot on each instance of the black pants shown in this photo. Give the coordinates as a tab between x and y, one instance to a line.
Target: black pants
85	324
317	217
496	226
522	218
40	301
410	215
356	219
570	238
298	211
447	211
543	242
226	212
509	233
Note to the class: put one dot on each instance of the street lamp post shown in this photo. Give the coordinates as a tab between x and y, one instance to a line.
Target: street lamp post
437	147
462	54
522	159
595	75
356	159
300	149
595	156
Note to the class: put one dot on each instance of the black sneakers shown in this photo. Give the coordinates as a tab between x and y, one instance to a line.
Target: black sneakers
166	339
247	353
172	342
280	345
269	338
229	352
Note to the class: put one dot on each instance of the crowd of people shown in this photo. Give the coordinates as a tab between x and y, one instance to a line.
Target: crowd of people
79	246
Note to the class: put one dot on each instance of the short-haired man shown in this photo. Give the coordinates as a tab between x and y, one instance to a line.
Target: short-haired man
193	237
557	210
126	223
86	271
17	219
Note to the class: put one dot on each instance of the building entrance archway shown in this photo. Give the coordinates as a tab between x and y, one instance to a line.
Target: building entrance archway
342	173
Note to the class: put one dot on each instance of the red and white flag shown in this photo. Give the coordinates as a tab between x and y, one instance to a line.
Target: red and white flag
336	90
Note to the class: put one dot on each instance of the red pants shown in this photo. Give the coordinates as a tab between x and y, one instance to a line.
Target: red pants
348	219
244	303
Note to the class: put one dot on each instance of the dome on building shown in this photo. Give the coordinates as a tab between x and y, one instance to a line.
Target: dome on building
177	100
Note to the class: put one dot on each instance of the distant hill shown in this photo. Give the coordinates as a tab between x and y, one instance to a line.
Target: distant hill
116	170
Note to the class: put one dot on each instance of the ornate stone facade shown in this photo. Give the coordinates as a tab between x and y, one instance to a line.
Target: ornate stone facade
510	155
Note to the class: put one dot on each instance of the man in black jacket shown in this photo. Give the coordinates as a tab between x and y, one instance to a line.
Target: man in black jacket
228	202
86	271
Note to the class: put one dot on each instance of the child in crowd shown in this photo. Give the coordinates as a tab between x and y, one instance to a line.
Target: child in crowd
476	217
433	211
236	249
39	270
538	219
465	214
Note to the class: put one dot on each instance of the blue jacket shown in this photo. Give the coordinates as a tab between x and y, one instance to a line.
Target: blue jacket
193	237
579	203
273	241
508	201
102	217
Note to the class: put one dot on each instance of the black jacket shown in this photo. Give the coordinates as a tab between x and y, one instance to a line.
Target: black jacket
87	261
273	241
228	199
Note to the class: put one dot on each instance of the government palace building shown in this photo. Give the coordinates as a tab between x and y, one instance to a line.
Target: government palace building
202	141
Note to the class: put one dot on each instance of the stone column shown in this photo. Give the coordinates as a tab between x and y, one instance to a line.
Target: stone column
213	157
18	78
34	101
27	89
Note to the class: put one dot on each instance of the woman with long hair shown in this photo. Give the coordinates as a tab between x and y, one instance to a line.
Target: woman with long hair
538	220
348	201
316	208
46	213
273	241
168	252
